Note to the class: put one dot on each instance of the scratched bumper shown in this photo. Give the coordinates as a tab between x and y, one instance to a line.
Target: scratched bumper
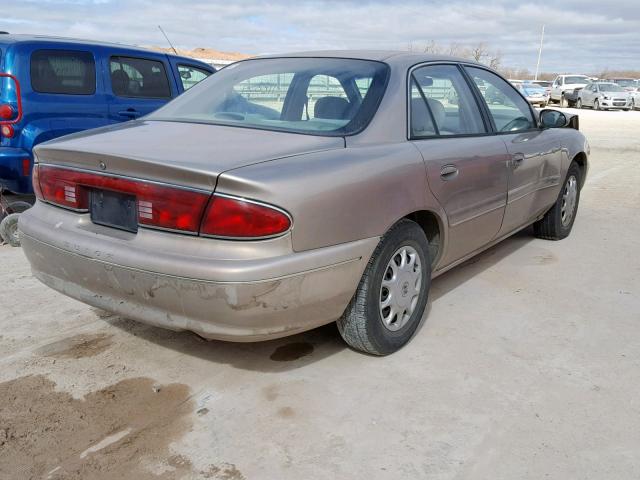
295	292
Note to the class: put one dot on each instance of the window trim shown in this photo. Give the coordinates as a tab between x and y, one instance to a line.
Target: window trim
485	107
490	130
164	66
64	50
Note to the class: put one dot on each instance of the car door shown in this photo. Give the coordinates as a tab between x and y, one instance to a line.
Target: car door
138	85
465	164
535	161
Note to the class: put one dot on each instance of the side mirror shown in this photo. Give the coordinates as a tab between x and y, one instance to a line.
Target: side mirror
553	119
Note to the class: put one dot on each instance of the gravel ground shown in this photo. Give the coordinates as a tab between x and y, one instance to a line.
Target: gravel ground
527	367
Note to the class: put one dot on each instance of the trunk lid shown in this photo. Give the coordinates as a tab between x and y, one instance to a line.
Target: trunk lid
187	154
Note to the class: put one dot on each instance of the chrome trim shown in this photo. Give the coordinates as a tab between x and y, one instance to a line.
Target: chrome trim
127	177
255	202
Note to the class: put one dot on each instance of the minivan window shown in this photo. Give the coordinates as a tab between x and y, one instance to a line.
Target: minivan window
139	78
319	96
190	75
449	102
510	112
67	72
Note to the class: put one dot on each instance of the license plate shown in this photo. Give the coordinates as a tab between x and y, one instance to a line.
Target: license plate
112	209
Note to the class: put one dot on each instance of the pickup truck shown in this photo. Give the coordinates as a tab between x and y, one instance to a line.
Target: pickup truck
563	84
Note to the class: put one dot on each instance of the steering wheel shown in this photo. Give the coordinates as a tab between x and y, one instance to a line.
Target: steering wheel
519	123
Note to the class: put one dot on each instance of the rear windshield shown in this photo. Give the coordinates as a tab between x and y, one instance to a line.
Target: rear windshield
320	96
625	82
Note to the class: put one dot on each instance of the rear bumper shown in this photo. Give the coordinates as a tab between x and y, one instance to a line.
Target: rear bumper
239	299
11	170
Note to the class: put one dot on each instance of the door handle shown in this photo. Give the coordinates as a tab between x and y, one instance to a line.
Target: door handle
516	160
449	172
129	113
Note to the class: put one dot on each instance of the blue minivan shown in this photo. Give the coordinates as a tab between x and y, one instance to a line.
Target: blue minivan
51	87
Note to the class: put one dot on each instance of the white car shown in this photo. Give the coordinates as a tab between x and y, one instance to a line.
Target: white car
604	96
564	84
635	98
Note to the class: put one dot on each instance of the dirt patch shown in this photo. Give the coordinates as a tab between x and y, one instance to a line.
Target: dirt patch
291	351
122	431
78	346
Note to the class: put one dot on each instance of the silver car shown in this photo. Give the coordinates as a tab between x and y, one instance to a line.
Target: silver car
604	96
287	192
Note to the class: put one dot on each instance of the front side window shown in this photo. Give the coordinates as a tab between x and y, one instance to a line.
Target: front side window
189	75
510	112
442	103
63	72
320	96
138	78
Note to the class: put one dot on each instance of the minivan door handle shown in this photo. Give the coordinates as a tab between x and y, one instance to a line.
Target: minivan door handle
449	172
129	113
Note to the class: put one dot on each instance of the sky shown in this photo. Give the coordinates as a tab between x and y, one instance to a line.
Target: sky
580	35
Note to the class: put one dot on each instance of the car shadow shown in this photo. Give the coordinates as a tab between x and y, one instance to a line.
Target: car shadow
300	350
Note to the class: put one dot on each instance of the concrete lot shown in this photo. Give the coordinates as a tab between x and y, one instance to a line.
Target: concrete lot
527	367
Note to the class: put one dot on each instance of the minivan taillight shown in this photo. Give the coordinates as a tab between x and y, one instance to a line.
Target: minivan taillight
232	217
159	206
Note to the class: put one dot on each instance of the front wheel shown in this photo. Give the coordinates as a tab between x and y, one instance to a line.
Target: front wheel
579	103
391	298
558	222
596	104
563	101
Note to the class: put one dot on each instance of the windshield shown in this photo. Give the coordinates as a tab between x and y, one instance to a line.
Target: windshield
610	87
625	82
576	79
530	89
320	96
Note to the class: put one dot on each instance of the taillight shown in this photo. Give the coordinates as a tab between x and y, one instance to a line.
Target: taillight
7	131
159	205
233	217
6	112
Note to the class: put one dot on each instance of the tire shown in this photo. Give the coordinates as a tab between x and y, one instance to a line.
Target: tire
9	229
596	104
556	223
563	102
363	325
579	104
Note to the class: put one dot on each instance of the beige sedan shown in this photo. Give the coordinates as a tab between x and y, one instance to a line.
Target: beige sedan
287	192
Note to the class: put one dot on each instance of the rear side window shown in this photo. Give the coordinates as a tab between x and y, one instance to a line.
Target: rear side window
63	71
189	75
139	78
441	98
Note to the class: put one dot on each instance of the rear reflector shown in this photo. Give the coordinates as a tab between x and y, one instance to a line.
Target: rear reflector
239	218
6	112
7	131
159	206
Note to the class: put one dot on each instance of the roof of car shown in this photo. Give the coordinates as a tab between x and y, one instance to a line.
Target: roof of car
388	56
12	38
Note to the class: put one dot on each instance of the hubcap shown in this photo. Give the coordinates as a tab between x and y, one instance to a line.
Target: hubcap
400	288
569	197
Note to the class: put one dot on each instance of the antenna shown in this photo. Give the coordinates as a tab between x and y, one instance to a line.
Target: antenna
539	53
168	41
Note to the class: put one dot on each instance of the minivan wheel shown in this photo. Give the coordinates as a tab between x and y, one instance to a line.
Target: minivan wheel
391	298
558	222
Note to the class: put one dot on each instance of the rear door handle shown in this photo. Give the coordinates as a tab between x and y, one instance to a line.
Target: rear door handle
449	172
129	113
517	159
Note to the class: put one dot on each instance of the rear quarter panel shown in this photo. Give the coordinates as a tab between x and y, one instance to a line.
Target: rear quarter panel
340	195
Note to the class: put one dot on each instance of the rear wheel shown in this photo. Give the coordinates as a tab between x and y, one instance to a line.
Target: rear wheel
391	297
558	222
9	229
